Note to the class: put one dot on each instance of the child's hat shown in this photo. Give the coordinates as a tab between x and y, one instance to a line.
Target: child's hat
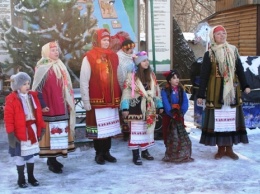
169	74
139	57
18	80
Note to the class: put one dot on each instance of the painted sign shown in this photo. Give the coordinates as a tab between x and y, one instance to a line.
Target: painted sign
113	16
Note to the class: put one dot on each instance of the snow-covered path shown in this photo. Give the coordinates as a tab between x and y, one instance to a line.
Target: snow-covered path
82	175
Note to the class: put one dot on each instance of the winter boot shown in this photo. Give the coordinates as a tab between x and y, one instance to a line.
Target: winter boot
107	156
21	179
99	158
220	153
125	136
55	161
53	166
98	146
230	153
136	157
31	179
145	154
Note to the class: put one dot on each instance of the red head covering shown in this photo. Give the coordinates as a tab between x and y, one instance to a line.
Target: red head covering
169	74
98	35
219	28
117	40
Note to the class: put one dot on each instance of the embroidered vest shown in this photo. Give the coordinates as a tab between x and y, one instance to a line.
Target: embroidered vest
104	90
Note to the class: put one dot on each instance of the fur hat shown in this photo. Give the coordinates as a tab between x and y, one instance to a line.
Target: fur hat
139	57
18	80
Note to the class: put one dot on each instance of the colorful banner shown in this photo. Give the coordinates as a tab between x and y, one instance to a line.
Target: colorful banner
252	114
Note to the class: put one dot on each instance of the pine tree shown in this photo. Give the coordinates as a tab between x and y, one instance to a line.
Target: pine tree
41	21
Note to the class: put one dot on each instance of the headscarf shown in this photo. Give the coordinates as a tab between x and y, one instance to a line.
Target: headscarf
98	36
42	68
226	59
96	42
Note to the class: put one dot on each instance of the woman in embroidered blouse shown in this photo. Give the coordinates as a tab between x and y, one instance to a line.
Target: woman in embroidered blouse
175	103
53	83
222	76
140	99
100	93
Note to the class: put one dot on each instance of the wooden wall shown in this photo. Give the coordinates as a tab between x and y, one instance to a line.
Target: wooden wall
222	5
242	28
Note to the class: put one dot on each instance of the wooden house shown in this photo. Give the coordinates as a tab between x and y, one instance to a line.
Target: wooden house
241	18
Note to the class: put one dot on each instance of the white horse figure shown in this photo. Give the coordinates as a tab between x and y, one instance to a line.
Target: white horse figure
202	34
253	67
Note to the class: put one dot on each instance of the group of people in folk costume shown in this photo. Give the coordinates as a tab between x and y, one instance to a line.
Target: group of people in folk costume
119	87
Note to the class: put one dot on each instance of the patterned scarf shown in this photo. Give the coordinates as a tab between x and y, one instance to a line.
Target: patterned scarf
225	57
42	68
148	106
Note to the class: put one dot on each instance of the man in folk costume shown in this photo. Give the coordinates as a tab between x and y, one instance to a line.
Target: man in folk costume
100	93
222	76
53	83
140	99
125	56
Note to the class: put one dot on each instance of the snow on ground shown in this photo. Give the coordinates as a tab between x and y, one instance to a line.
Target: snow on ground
82	175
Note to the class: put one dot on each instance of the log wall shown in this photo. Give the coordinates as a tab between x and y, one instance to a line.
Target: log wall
242	28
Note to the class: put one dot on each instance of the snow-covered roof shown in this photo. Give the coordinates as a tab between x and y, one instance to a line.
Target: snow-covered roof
142	36
189	36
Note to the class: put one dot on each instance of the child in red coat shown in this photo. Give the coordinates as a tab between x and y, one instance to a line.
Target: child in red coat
24	126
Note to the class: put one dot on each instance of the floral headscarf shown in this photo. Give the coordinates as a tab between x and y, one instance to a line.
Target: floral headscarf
98	35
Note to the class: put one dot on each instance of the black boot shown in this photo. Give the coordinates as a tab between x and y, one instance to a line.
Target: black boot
125	136
31	179
21	179
53	166
98	145
56	161
136	157
99	158
107	156
145	154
